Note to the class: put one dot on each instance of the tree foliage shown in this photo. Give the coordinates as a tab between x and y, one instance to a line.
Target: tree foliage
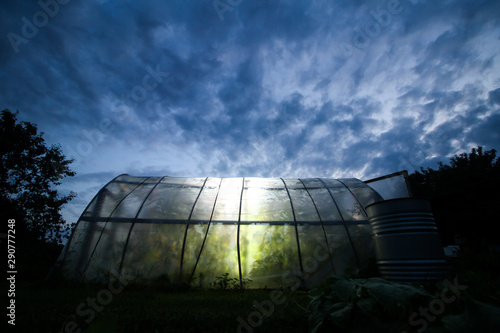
464	195
29	173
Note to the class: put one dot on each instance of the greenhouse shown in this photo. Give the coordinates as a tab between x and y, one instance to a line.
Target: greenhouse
257	232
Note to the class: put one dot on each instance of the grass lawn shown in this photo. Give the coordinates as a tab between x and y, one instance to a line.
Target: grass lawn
42	308
470	297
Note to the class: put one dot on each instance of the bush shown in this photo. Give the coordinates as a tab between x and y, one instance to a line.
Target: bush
377	305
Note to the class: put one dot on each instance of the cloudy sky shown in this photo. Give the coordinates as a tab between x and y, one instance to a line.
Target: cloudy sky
270	88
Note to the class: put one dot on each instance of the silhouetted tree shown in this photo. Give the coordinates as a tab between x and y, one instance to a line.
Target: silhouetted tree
465	196
29	172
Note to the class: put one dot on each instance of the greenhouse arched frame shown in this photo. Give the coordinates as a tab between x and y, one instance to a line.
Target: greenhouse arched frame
258	232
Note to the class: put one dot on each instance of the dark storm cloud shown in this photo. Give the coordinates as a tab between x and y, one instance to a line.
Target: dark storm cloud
168	87
450	54
267	20
486	131
240	95
494	97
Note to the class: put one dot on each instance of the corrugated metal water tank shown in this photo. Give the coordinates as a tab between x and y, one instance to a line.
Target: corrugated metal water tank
407	244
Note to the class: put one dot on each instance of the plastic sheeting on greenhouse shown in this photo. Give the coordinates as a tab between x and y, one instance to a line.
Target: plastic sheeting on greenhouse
262	232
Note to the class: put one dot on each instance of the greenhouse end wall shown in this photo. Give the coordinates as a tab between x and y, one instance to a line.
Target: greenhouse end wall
259	232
